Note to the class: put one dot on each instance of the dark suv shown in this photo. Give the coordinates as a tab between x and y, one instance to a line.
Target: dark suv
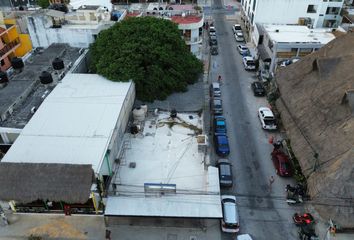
258	89
225	173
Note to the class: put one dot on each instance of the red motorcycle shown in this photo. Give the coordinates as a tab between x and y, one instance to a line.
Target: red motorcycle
304	219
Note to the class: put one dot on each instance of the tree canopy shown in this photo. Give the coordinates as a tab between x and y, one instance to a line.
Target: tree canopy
148	50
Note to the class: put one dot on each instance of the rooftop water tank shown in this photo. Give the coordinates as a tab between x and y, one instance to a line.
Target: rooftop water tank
17	63
144	107
46	77
58	64
3	77
139	114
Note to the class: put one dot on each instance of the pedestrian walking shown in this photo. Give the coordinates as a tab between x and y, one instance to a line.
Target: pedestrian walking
271	181
4	219
219	79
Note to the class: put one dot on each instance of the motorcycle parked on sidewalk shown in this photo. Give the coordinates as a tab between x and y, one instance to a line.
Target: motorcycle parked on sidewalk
303	219
295	194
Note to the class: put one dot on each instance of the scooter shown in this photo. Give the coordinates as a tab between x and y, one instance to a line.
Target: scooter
294	194
304	219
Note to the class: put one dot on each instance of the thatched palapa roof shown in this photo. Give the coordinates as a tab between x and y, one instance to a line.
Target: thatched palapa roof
27	182
317	112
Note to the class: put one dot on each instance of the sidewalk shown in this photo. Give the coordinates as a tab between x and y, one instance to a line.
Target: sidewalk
49	226
87	227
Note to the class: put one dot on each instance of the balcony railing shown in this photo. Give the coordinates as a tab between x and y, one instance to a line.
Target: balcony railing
9	46
194	40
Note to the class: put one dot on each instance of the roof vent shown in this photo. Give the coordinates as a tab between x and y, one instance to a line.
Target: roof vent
349	98
314	65
276	30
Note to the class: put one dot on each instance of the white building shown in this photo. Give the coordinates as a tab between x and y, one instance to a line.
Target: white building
81	122
280	42
315	13
190	21
164	176
78	29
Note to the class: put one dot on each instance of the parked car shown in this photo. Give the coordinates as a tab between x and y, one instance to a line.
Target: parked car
249	63
239	37
267	118
225	172
216	106
215	90
243	50
214	50
222	147
244	237
213	40
219	125
212	31
236	28
258	89
264	75
230	221
288	62
281	163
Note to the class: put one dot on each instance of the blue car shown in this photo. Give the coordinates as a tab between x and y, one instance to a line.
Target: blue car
222	145
220	125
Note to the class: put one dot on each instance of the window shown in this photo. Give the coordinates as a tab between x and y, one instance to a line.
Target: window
254	5
311	9
270	44
333	10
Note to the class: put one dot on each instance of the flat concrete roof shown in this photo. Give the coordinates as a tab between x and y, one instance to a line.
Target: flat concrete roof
78	3
166	152
74	123
298	34
24	90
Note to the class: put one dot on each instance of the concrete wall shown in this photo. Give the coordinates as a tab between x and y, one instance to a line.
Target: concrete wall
42	35
115	146
162	222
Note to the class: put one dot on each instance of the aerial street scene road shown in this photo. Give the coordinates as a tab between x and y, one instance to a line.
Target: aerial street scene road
177	120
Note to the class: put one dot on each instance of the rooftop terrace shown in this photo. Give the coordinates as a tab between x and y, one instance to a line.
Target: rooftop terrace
24	91
169	178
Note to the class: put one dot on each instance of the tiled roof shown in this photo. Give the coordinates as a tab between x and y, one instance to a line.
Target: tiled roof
186	20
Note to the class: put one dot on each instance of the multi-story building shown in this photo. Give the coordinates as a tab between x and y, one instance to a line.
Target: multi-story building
13	43
314	13
190	25
189	20
281	42
78	28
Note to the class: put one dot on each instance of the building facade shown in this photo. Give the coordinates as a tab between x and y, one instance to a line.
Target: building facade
282	42
189	20
13	43
78	29
314	13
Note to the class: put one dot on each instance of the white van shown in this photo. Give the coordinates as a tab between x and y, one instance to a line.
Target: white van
230	221
215	90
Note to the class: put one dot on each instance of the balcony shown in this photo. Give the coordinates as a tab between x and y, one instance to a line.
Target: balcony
8	47
191	41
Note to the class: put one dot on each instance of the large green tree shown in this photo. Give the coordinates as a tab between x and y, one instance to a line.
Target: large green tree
148	50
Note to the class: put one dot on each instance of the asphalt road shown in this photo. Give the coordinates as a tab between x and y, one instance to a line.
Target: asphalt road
263	211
